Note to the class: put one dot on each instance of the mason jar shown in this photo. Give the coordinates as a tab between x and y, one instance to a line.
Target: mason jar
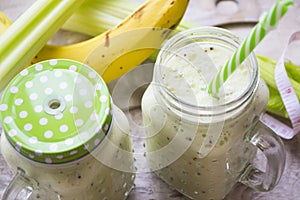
202	144
63	137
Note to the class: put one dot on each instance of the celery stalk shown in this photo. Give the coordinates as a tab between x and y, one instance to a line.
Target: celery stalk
267	67
292	70
30	32
97	16
275	104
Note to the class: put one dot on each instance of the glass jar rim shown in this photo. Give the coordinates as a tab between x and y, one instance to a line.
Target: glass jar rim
206	32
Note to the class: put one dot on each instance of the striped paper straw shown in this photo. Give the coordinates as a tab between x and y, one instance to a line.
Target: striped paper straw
267	22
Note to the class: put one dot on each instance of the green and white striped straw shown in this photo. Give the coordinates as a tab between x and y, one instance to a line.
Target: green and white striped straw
267	23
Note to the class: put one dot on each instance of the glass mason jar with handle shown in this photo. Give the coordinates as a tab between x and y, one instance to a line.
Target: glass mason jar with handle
202	144
62	135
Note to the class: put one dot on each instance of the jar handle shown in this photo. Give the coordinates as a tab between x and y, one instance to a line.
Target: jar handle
272	147
20	188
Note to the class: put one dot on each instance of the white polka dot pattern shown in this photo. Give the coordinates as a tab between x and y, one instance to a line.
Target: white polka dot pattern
23	114
88	104
19	101
63	128
79	122
43	121
59	116
28	127
53	62
73	68
48	91
14	89
38	108
63	85
39	67
34	96
55	107
12	133
53	147
48	134
33	140
3	107
73	110
24	72
57	73
43	79
29	84
69	141
48	160
8	120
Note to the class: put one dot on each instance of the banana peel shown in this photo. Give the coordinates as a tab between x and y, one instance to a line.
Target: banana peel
128	44
123	47
4	22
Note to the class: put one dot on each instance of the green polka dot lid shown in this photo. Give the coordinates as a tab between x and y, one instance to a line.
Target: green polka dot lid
56	111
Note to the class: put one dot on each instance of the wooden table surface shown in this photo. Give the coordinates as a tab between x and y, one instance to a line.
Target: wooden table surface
203	12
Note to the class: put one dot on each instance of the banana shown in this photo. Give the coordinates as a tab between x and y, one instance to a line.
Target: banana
4	22
123	47
128	44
